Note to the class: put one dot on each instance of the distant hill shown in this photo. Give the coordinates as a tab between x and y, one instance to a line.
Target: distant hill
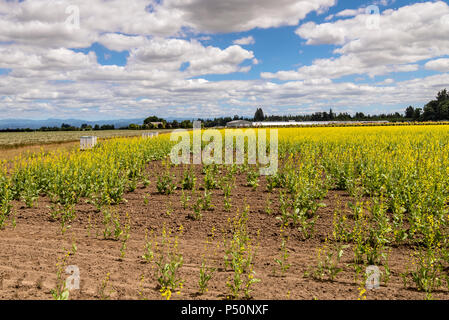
36	124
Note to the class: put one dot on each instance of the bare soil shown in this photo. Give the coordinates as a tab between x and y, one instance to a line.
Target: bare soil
29	252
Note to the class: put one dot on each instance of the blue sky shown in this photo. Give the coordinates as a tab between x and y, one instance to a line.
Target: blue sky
209	58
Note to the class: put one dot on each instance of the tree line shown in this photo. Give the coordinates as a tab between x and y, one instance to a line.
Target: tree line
434	110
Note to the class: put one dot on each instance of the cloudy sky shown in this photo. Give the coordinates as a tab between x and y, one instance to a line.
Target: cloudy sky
115	59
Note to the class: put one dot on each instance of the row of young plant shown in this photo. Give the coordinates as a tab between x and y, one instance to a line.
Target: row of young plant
162	254
399	179
403	170
101	176
367	228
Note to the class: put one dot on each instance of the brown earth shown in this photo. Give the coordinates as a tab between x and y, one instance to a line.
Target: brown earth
29	252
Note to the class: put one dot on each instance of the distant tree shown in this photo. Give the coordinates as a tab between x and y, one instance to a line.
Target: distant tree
437	109
259	116
442	96
429	113
107	127
444	110
185	124
359	116
154	119
96	127
417	114
409	112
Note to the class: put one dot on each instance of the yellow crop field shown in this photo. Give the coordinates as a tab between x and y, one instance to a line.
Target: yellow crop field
343	201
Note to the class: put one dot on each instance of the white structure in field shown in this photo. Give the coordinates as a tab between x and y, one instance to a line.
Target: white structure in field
293	123
238	124
87	142
150	134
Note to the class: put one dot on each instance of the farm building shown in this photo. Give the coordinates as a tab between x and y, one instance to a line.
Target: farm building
239	124
292	123
309	123
157	124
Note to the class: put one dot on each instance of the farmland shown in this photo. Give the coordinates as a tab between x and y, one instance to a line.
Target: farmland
138	226
18	139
